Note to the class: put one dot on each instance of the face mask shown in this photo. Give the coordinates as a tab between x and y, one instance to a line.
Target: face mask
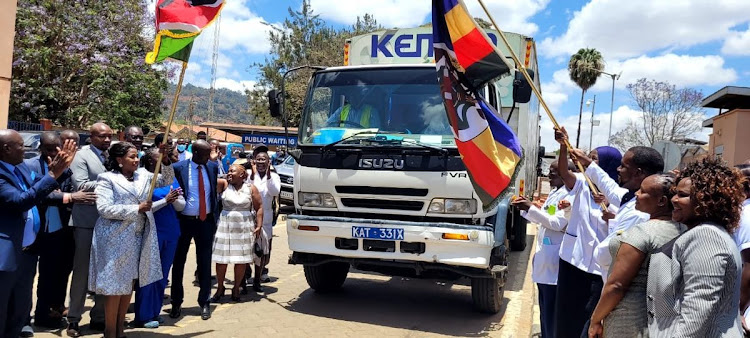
181	147
141	153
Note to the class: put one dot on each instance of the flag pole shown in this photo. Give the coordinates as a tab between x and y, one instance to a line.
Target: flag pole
157	170
537	93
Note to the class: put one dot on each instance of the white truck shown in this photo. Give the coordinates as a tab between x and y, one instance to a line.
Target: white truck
389	192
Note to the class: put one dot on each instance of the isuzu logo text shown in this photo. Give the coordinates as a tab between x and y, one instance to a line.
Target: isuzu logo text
380	163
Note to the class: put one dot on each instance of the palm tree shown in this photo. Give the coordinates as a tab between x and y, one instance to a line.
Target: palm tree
584	68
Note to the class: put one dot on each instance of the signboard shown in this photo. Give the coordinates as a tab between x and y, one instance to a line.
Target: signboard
269	140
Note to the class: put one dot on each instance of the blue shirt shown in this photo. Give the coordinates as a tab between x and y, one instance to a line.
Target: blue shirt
192	200
167	224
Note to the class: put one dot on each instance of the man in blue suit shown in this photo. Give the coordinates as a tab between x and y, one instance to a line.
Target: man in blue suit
55	243
197	178
19	195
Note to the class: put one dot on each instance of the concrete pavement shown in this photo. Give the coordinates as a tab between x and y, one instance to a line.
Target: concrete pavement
369	305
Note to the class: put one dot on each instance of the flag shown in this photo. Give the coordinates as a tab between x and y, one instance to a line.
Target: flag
178	23
466	60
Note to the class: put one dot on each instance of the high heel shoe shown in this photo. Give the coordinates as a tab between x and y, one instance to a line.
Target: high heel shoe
235	295
218	295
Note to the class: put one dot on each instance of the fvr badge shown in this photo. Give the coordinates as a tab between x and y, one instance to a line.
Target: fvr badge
270	140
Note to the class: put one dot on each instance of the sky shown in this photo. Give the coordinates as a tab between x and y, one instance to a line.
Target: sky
690	43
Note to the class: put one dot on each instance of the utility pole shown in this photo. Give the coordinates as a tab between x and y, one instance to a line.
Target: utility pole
214	62
591	132
191	106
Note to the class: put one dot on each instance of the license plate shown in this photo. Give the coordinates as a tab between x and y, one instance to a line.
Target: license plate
287	195
388	234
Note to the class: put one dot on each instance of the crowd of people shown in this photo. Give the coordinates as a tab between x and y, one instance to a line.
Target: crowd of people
86	214
625	249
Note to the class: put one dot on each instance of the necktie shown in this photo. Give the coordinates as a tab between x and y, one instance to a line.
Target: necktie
105	155
52	215
34	211
202	195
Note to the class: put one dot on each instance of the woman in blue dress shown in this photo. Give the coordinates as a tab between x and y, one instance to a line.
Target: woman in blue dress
167	201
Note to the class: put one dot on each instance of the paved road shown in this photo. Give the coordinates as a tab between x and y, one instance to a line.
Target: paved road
369	305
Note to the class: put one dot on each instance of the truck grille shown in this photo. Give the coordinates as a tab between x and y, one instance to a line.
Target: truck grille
382	204
286	179
387	191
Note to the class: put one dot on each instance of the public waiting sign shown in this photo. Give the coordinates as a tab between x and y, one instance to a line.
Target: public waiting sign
270	140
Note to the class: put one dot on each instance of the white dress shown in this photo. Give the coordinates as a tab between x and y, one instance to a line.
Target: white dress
233	242
268	188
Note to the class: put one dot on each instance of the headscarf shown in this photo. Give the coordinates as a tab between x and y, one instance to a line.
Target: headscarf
609	160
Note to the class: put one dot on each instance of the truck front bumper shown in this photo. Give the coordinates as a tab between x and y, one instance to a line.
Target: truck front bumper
422	242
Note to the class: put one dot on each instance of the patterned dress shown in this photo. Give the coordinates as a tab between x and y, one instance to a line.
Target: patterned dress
234	239
628	319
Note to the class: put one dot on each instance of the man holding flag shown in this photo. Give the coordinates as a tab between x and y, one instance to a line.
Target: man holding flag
178	23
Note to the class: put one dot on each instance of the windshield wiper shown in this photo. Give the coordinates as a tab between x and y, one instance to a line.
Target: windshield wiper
332	144
428	146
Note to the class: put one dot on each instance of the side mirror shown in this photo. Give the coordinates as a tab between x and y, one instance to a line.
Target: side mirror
541	152
521	88
274	106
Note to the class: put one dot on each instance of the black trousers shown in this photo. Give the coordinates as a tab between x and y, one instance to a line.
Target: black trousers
578	293
56	253
203	234
547	295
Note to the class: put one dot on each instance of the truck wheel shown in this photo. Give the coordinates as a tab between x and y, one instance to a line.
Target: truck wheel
487	294
518	231
326	277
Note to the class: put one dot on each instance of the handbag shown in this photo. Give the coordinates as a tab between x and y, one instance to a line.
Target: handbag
258	250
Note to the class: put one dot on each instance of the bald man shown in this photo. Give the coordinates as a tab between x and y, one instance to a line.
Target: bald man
134	135
87	166
197	178
20	193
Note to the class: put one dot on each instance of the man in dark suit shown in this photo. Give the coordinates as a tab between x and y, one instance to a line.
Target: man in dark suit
19	195
54	243
86	167
197	178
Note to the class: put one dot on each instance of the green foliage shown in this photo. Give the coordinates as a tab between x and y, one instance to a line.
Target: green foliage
78	62
303	39
229	106
584	69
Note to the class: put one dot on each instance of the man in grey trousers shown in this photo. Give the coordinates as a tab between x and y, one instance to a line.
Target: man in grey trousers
87	165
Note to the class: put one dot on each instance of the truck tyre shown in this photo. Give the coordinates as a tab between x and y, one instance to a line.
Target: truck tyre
487	294
326	277
518	231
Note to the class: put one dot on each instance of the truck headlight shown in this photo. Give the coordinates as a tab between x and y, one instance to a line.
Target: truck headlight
452	206
313	199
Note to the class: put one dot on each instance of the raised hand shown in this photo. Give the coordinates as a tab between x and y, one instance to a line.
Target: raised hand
599	198
561	135
214	155
521	203
63	159
579	156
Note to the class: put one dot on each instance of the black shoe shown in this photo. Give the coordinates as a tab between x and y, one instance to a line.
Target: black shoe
49	323
206	312
175	312
257	287
73	330
96	326
217	296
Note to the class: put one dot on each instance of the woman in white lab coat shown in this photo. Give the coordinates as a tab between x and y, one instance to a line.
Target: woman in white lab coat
268	184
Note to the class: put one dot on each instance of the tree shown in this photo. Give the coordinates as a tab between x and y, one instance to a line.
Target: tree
78	62
669	113
303	39
584	69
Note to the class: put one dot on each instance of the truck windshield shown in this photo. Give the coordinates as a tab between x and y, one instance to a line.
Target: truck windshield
396	103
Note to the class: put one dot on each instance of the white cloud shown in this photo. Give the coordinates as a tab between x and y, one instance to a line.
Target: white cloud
738	43
511	15
238	86
621	29
620	119
680	70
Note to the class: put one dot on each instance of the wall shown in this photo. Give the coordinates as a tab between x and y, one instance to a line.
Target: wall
730	133
7	34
